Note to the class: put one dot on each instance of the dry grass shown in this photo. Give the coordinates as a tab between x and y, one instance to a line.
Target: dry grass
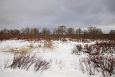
48	44
23	50
27	61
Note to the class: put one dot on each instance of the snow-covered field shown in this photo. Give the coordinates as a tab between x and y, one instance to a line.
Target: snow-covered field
57	58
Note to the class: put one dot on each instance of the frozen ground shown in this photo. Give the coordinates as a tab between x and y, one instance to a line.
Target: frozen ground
62	62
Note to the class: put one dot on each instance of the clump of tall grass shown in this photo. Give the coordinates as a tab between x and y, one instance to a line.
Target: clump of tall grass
48	44
23	50
27	61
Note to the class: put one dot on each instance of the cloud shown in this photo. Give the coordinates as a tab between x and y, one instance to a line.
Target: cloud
56	12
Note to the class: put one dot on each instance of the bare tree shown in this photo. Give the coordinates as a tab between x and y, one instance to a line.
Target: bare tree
25	30
94	30
4	31
78	31
112	32
70	31
45	31
34	31
61	30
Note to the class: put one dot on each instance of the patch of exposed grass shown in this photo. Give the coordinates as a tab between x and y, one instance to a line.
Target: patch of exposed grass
48	44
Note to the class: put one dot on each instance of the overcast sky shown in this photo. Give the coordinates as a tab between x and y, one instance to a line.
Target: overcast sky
50	13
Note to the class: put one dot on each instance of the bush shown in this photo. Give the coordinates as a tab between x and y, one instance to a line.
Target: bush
77	49
26	61
100	58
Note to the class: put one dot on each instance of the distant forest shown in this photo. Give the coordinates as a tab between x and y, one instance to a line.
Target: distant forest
57	33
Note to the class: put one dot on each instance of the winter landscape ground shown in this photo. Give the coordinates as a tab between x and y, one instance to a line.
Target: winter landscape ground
57	38
57	58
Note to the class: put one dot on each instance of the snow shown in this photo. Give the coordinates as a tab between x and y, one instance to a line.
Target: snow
62	62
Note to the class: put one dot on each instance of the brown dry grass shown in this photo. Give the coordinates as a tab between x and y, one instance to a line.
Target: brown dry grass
48	44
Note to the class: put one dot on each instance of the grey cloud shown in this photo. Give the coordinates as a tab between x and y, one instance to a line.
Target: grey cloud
110	5
55	12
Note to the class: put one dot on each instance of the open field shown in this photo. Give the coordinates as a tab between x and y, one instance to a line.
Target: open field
59	58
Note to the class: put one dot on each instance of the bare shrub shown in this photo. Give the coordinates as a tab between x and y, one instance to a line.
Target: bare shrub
26	61
87	66
98	63
41	65
77	49
105	63
100	58
89	49
95	49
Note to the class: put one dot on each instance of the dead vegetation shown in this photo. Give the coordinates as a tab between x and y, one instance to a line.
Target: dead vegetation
23	50
48	44
100	59
27	61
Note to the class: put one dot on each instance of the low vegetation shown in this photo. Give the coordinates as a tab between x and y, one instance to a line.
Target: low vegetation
27	61
100	58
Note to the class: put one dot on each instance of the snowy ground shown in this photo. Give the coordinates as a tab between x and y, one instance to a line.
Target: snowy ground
62	62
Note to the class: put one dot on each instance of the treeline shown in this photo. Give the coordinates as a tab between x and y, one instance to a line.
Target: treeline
59	32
